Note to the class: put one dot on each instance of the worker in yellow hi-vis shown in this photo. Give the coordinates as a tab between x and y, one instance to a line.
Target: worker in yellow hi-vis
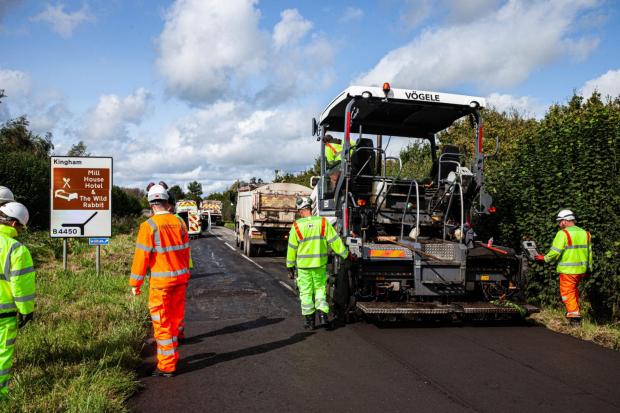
307	250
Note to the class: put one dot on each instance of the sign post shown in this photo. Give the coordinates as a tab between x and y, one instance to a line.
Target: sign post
81	199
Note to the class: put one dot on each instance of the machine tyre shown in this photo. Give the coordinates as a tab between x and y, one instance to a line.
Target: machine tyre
247	244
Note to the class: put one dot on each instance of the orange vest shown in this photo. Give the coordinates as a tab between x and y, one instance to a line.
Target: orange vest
163	247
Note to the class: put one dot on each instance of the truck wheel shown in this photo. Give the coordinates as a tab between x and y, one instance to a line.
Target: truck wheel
237	240
247	244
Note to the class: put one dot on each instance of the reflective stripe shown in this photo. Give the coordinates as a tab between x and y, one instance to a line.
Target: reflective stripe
167	341
323	227
556	250
8	306
573	247
10	342
169	273
166	352
143	247
172	248
153	226
7	262
5	372
137	277
564	298
314	238
334	151
299	236
572	264
24	298
292	246
333	239
290	262
568	238
312	256
155	317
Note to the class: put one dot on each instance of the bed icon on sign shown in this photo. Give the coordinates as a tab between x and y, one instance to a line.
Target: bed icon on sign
62	194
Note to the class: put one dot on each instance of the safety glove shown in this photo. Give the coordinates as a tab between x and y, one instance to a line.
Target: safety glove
135	290
23	319
540	258
291	273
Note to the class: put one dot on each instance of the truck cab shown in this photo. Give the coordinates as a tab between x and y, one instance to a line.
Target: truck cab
416	247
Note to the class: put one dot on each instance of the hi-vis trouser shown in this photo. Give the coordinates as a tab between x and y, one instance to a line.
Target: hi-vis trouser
8	333
312	285
569	291
167	308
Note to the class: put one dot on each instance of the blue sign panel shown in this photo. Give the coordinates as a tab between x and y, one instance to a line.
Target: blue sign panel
98	241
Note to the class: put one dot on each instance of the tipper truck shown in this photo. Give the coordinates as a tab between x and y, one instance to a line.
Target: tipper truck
211	208
416	250
264	216
188	210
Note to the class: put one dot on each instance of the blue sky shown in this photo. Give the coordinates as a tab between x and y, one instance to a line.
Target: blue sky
217	91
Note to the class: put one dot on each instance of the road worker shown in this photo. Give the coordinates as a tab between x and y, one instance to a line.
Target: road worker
333	150
6	195
572	249
307	250
162	248
17	292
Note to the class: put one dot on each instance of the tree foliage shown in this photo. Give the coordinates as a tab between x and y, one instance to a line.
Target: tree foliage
194	191
569	159
79	149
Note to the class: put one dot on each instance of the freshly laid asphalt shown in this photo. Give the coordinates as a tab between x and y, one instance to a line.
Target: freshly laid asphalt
247	351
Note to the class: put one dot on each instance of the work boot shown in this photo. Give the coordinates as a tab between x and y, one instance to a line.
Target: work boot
574	321
159	373
323	321
309	322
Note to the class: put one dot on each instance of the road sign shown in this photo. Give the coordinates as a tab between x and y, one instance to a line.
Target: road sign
81	197
98	241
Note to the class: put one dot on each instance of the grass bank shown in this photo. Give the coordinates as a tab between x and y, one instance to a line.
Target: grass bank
81	351
606	335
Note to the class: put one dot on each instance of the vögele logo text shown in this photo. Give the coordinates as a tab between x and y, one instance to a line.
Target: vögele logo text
430	97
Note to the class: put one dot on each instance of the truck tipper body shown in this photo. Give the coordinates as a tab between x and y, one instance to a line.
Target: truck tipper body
211	208
264	216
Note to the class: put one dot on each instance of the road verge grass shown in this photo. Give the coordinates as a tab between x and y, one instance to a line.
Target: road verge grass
606	335
81	352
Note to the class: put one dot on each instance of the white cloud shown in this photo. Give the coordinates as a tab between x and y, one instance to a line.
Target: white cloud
63	23
107	123
352	14
208	45
607	84
500	49
14	82
462	11
526	106
225	141
291	28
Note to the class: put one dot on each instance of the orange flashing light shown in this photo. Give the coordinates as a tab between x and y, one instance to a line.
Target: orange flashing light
492	210
361	202
386	88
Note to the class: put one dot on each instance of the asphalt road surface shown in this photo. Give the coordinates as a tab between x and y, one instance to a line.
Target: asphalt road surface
247	351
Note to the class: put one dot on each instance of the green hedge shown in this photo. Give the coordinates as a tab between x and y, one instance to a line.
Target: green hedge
569	159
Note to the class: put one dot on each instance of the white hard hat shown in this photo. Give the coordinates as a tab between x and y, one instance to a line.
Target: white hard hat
157	193
304	202
6	195
16	211
565	214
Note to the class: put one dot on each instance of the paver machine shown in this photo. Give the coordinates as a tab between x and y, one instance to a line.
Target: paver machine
415	247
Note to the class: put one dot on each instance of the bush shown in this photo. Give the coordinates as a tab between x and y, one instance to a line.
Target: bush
124	204
28	176
569	159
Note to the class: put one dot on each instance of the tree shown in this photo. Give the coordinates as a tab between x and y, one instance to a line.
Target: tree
194	191
15	136
79	149
176	192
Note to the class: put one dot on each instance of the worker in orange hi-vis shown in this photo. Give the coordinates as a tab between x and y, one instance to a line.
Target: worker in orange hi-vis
163	248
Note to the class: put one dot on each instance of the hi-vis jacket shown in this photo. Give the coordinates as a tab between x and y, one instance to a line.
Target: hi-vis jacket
163	248
573	249
308	240
333	151
17	285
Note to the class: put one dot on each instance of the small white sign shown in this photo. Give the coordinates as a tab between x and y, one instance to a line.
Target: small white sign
81	197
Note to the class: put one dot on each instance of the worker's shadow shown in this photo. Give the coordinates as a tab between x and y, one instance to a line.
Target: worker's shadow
235	328
204	360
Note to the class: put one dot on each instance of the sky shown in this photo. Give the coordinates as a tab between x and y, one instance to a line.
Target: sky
216	91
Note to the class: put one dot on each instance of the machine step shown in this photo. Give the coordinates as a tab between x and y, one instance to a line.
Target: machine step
413	308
